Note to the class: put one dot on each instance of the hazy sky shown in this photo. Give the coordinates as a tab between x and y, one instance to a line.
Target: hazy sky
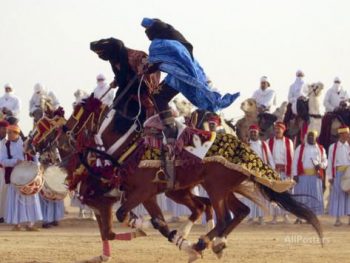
236	41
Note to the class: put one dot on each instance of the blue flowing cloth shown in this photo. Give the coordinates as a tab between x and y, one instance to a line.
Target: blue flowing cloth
186	75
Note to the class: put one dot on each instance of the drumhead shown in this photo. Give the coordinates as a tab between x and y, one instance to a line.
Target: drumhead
24	173
55	178
345	181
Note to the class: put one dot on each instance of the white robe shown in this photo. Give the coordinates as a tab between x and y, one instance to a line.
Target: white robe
279	151
342	157
257	147
297	89
108	98
36	100
12	103
265	98
312	156
333	98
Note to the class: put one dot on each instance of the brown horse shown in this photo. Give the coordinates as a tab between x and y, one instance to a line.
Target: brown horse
219	173
102	202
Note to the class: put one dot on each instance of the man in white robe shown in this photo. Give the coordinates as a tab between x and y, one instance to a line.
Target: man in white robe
335	96
261	148
40	97
282	150
309	162
265	97
101	88
9	103
297	91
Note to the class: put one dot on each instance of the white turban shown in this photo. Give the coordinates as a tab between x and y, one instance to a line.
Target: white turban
101	76
265	79
299	72
8	85
38	87
337	79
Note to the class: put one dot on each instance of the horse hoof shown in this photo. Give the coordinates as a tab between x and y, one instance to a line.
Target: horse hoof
98	259
219	250
201	245
140	233
193	256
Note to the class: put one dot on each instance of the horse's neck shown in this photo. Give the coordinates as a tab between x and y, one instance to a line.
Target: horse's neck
314	105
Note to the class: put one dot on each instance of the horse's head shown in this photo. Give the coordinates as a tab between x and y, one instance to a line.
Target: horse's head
315	89
107	49
249	106
85	120
45	133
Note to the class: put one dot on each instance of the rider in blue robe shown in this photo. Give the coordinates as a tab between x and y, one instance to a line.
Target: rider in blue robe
171	53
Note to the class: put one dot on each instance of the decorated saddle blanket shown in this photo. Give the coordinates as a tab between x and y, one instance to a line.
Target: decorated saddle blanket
195	147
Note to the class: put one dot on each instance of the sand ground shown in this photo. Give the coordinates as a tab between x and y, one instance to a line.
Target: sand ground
77	239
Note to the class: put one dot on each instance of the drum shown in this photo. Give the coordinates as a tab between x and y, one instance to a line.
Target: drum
54	186
27	178
345	181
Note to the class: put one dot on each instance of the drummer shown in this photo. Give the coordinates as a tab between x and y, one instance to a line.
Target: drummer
53	211
3	186
20	209
339	162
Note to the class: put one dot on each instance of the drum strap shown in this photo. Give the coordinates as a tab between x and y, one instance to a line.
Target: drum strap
8	170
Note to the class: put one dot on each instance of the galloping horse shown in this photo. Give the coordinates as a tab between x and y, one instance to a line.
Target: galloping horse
219	175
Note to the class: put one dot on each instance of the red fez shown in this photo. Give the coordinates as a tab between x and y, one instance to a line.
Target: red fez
4	123
280	125
254	127
215	119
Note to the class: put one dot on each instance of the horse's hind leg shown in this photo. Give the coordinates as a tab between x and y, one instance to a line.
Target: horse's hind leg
196	204
157	217
160	224
240	211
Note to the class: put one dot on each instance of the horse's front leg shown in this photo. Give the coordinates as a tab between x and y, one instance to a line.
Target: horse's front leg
106	251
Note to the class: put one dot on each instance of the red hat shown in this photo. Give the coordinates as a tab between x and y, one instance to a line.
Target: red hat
215	119
281	125
4	123
254	127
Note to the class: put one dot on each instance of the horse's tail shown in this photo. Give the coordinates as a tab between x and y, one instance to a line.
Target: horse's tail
247	190
286	201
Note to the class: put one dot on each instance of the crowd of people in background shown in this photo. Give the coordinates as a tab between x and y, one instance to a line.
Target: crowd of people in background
307	163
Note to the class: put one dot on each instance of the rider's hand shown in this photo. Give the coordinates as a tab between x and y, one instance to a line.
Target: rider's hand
296	179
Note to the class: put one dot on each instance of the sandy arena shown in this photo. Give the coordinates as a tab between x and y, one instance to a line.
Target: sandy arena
78	239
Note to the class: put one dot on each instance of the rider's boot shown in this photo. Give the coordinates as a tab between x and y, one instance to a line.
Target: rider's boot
170	134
